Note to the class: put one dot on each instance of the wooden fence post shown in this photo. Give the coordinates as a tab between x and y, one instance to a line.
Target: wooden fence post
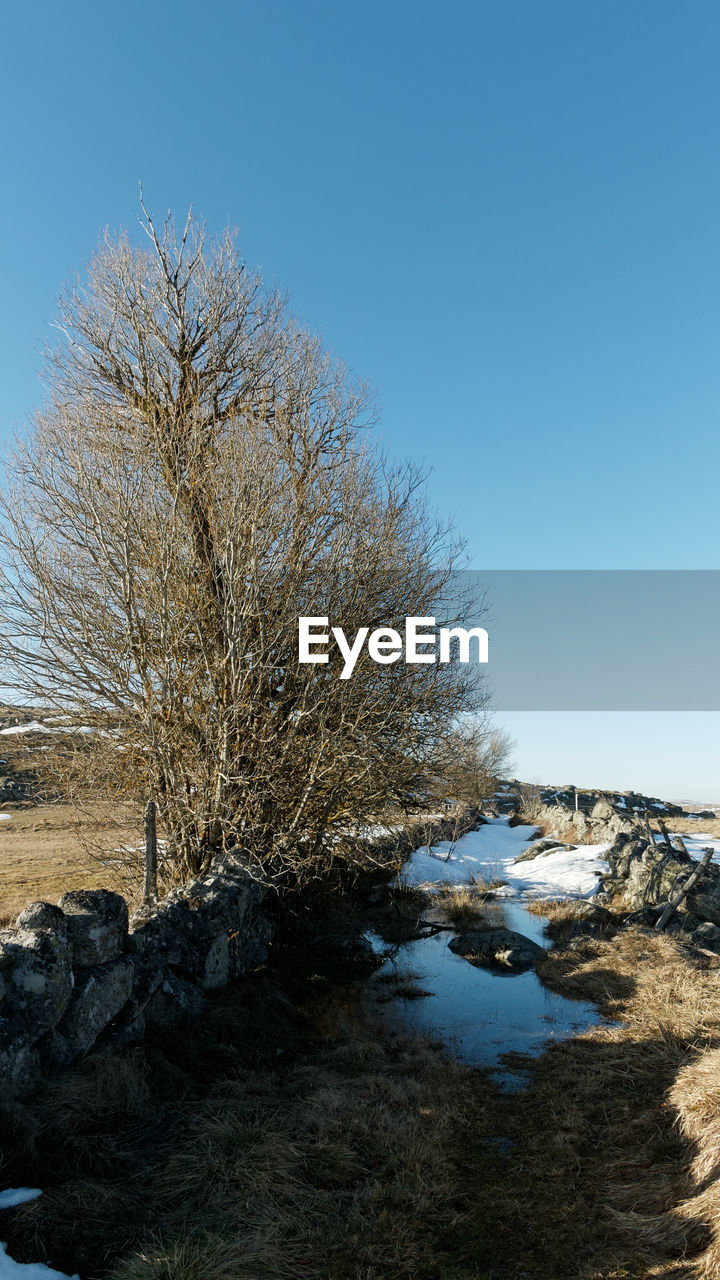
150	886
678	897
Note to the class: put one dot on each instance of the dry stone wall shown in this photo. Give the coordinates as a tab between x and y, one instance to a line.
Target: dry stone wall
82	974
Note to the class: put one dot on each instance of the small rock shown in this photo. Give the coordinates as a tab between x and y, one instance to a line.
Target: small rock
42	915
37	976
97	924
498	946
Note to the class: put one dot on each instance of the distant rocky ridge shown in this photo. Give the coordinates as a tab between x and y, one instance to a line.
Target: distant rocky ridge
516	795
647	867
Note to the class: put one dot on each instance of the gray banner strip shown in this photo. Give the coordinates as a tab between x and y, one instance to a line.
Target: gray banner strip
601	640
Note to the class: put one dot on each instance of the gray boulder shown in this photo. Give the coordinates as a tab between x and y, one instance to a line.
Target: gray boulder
210	930
42	915
704	899
541	849
497	946
654	877
707	936
37	977
647	874
19	1060
174	1003
624	849
97	924
100	993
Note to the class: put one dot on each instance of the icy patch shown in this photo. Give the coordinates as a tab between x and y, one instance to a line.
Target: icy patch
490	853
696	845
17	1195
34	726
11	1270
379	946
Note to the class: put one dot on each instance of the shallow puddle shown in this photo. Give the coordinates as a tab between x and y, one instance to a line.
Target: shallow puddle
480	1013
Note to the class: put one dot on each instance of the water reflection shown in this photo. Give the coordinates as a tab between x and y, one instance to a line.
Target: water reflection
480	1013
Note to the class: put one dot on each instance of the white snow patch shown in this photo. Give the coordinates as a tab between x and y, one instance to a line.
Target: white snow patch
378	944
5	817
697	844
11	1270
569	873
34	726
18	1195
490	853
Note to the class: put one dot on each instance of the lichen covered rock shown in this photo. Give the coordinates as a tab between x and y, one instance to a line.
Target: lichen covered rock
211	930
36	968
502	947
100	993
97	924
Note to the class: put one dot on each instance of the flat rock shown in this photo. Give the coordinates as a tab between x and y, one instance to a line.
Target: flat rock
210	931
37	976
97	924
100	993
498	946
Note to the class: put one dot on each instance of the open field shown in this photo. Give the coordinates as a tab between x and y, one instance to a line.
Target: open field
693	826
42	855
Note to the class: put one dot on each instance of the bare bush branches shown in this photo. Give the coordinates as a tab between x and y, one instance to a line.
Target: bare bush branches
200	477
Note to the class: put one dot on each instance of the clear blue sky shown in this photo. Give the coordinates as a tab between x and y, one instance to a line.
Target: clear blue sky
504	216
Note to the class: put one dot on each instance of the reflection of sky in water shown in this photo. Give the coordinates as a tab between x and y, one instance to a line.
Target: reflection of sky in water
479	1012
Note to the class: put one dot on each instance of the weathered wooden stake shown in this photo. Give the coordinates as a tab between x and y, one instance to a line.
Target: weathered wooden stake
677	898
150	886
664	834
651	833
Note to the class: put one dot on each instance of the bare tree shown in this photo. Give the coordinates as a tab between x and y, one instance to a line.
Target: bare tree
472	761
202	475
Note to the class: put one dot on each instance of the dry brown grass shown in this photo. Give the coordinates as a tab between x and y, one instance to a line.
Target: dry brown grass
558	909
464	905
283	1137
692	826
379	1161
695	1096
658	1075
357	1155
251	1147
42	856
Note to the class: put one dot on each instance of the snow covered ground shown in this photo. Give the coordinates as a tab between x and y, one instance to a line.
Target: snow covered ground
33	726
696	845
36	726
490	853
10	1270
